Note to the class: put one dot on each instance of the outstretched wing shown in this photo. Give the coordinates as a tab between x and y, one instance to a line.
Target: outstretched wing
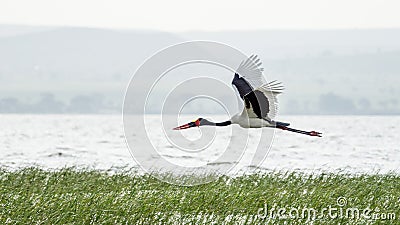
258	95
268	92
249	75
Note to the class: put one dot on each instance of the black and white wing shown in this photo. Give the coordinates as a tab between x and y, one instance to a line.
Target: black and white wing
251	70
259	96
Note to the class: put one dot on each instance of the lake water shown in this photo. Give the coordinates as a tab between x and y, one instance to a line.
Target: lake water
350	143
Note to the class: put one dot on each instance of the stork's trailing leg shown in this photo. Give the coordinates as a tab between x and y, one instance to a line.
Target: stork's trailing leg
310	133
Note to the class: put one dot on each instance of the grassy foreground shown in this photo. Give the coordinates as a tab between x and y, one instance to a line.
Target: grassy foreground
34	196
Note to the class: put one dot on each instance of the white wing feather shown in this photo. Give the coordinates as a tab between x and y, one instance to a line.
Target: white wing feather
251	70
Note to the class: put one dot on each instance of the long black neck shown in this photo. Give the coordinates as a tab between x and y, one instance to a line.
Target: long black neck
222	124
205	122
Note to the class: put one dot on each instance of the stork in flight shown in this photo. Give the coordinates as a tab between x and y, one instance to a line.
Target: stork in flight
259	101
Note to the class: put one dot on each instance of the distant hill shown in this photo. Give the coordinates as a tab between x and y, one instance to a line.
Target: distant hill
15	30
86	70
71	62
282	44
79	52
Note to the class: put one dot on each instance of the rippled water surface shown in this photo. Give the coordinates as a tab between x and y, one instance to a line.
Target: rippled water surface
349	143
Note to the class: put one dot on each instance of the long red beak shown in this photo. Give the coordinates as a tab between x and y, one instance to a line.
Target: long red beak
186	126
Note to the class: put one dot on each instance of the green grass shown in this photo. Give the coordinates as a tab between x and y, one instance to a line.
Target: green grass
34	196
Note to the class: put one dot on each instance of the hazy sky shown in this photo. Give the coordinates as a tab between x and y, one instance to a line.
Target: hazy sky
181	15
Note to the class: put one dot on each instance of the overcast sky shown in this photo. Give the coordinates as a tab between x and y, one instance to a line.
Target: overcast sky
184	15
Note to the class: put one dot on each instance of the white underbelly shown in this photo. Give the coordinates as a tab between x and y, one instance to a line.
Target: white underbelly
254	123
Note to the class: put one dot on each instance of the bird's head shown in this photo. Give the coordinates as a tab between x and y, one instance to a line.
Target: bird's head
195	123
